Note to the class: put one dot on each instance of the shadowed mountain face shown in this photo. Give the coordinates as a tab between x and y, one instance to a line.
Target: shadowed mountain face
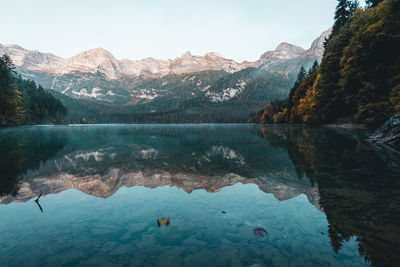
352	182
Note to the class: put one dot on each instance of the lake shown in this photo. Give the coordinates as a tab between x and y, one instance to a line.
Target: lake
195	195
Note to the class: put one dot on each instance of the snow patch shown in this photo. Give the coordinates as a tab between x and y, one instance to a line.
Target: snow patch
98	156
83	92
66	89
149	94
226	153
150	153
205	88
109	92
227	93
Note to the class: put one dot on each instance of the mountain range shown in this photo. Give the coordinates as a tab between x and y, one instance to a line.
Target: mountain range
99	59
173	86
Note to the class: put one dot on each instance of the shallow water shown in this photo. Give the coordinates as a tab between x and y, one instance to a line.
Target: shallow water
320	196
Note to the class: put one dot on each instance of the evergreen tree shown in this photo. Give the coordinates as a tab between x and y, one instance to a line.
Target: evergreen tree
11	110
353	5
21	101
373	3
358	79
313	68
300	76
344	10
342	15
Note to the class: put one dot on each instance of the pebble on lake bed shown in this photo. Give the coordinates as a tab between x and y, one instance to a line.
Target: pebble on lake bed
259	231
163	221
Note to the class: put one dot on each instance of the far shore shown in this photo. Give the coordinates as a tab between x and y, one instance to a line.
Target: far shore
346	125
331	125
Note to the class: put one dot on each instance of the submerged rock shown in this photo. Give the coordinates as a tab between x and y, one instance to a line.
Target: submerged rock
163	221
259	231
388	133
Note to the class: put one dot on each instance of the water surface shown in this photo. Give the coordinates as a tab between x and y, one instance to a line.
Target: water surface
320	196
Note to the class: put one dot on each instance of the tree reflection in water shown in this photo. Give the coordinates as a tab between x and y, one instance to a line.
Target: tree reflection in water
359	188
354	183
24	150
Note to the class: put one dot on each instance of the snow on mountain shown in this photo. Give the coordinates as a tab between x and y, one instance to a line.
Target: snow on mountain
96	92
227	93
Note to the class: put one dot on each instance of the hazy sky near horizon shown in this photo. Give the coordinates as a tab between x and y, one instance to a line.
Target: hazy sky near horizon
237	29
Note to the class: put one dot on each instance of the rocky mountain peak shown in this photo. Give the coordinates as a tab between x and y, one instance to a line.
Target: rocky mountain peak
96	54
14	46
317	47
282	52
95	59
212	55
286	46
187	54
99	59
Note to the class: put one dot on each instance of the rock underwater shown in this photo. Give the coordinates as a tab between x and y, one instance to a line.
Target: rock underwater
388	133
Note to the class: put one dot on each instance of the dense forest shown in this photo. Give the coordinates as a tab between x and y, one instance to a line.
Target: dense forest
23	102
358	80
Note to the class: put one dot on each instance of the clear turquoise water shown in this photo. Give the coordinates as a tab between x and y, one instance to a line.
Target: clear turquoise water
325	197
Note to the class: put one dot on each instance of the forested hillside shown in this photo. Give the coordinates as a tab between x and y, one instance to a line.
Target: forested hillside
207	96
23	102
358	80
230	97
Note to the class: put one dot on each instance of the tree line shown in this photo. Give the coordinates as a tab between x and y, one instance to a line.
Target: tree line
24	102
358	80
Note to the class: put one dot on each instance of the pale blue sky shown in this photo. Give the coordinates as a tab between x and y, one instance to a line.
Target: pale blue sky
238	29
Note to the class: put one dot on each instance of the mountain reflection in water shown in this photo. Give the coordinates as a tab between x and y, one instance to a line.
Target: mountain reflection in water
355	184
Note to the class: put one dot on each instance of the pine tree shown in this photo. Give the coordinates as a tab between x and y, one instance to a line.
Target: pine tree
358	79
22	101
342	15
373	3
353	5
300	76
6	71
11	109
313	68
344	10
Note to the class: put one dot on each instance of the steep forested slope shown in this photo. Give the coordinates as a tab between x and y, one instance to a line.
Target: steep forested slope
359	77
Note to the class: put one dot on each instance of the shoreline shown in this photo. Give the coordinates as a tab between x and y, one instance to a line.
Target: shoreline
346	125
330	125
